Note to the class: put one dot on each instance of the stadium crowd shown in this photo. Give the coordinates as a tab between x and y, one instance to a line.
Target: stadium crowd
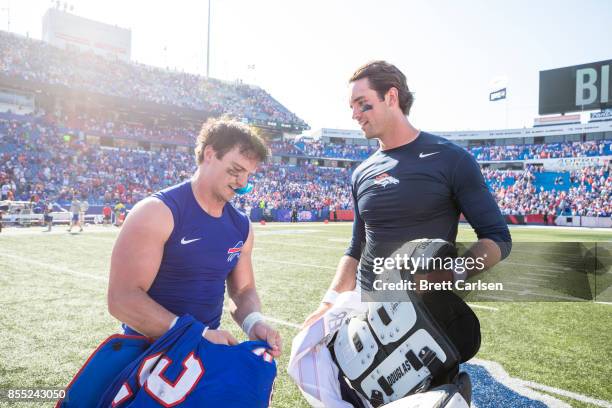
588	192
305	187
37	162
45	157
481	153
106	127
542	151
319	149
39	62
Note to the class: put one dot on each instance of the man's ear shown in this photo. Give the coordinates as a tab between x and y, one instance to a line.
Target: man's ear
209	153
392	97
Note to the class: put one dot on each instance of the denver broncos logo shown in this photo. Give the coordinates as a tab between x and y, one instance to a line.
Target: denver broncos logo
385	179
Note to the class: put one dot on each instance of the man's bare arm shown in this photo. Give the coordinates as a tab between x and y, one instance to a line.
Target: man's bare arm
488	251
241	285
135	261
344	280
244	299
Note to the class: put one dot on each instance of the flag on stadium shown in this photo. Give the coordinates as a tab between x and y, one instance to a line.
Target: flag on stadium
498	88
497	95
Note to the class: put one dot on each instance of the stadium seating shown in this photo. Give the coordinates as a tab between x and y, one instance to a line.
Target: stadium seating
36	162
46	156
37	62
534	151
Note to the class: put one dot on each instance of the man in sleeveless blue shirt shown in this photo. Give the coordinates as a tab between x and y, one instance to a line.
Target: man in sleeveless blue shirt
415	186
179	247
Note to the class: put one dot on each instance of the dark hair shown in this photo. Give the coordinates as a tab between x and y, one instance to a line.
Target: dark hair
224	134
384	76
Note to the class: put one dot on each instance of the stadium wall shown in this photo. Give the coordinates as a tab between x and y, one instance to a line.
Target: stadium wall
570	163
557	130
577	221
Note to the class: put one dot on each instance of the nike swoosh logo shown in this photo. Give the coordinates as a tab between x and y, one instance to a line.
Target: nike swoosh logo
189	241
423	155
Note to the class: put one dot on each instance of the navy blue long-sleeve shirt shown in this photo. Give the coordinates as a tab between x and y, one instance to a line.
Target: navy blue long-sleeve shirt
419	190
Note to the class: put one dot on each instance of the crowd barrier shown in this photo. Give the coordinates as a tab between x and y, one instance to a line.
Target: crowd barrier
94	215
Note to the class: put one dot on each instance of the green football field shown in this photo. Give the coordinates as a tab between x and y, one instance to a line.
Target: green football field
53	308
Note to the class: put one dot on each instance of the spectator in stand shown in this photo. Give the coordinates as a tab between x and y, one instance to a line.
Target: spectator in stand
36	161
119	214
6	188
106	213
40	62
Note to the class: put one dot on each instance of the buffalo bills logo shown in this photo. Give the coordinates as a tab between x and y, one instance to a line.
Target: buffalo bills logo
384	180
234	252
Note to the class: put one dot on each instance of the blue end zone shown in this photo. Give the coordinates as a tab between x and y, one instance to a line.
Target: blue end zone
487	392
492	387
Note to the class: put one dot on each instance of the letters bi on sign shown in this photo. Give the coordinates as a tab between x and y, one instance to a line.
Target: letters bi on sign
586	91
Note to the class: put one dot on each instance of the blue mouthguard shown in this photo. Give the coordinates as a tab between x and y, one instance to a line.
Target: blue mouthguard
244	190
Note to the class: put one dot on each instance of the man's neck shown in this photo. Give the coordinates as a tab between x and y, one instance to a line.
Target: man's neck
203	194
400	133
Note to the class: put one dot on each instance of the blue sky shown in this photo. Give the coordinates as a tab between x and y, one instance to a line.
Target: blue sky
304	51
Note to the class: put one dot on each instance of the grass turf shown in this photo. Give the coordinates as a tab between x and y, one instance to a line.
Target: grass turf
54	314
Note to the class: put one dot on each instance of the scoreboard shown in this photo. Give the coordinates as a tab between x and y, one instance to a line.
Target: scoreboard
66	30
576	88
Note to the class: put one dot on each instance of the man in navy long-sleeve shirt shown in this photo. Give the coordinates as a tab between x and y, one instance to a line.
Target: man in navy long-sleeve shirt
415	186
418	190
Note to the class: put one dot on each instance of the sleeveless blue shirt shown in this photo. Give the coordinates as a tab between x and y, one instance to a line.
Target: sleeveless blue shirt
198	256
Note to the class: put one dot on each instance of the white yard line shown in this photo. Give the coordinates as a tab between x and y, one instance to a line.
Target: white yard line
568	394
265	241
258	226
546	275
527	292
524	387
531	279
546	268
341	240
288	232
603	231
52	267
500	375
41	232
493	309
494	368
277	321
494	297
294	263
523	284
284	322
100	278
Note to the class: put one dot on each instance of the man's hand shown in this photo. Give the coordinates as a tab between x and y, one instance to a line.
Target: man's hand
263	331
314	316
220	337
